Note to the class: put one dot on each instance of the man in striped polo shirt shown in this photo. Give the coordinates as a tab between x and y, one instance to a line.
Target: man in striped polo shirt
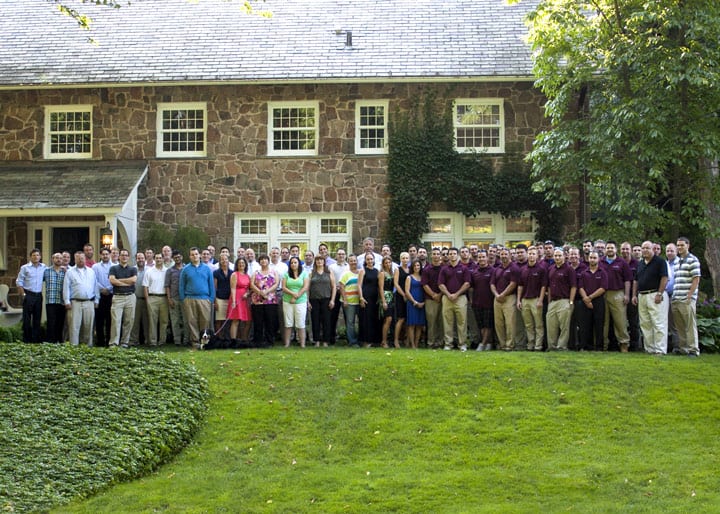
684	298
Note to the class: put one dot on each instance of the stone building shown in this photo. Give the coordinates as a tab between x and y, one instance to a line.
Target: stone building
257	129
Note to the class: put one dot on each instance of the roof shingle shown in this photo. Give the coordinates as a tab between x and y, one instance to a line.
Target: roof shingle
304	40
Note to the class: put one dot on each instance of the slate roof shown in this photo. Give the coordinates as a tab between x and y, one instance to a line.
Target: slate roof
68	185
304	40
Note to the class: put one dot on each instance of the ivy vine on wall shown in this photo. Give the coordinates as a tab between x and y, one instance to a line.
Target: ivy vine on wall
425	169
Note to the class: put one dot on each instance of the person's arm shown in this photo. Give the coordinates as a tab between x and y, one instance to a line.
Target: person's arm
20	282
693	287
634	294
463	289
361	277
305	287
381	288
233	291
396	282
661	289
66	291
342	292
519	296
333	290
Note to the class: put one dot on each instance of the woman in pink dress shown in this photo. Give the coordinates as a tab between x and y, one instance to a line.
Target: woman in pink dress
239	305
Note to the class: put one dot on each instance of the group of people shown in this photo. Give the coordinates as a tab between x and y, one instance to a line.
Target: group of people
541	297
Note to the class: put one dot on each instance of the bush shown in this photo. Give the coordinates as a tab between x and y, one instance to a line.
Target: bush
74	420
11	334
708	323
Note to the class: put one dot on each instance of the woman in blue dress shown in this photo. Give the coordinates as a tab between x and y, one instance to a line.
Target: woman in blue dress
415	296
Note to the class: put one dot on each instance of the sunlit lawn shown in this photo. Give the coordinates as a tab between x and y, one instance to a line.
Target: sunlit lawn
340	430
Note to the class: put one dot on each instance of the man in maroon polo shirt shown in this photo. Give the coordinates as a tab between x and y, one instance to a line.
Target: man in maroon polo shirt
562	286
631	310
617	296
531	291
433	299
503	284
576	263
592	286
482	300
454	281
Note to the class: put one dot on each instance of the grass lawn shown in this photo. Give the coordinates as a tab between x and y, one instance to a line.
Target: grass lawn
340	430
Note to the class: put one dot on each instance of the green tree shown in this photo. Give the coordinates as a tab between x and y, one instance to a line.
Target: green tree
633	97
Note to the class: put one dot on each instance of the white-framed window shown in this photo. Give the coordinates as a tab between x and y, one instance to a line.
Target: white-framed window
293	128
479	125
68	132
371	122
454	229
182	129
307	230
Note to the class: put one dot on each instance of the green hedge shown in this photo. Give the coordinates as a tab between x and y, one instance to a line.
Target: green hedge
74	420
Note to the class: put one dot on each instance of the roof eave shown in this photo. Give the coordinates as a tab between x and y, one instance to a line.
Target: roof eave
272	81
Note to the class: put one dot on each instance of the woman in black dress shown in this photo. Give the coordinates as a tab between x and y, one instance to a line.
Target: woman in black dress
387	299
401	274
369	287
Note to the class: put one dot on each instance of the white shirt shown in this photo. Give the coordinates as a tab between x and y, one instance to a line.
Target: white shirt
154	280
80	284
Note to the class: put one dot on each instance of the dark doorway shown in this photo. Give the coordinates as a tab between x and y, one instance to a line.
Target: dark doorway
71	239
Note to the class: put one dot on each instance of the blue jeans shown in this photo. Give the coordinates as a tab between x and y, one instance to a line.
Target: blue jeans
351	314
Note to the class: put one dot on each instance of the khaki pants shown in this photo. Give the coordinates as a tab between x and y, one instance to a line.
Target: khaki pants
198	315
455	315
157	312
434	317
122	316
81	322
684	315
504	314
558	324
177	322
653	322
141	322
616	309
533	320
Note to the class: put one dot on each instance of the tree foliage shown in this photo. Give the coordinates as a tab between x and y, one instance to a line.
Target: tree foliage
633	97
425	169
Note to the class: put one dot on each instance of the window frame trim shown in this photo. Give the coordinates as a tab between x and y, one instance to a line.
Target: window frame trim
47	133
500	102
300	104
371	103
164	106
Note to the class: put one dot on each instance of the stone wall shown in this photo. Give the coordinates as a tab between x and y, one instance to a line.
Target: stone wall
237	176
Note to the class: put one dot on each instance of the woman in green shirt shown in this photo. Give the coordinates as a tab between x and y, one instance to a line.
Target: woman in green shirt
295	285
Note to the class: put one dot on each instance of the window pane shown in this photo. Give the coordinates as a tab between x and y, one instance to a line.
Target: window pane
293	226
333	226
440	225
253	226
257	246
519	224
482	225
